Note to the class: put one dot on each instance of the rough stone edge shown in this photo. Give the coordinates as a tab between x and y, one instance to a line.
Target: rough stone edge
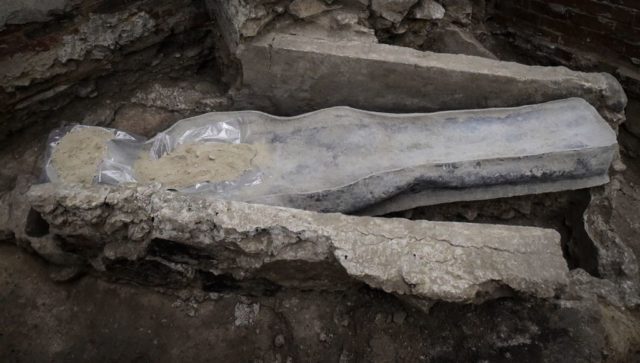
123	221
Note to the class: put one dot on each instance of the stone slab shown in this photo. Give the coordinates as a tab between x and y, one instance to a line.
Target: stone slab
288	74
419	260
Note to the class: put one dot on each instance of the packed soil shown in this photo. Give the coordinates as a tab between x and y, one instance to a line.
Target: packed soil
79	153
189	164
89	319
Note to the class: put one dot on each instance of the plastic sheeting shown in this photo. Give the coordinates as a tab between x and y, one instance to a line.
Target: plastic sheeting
50	172
342	159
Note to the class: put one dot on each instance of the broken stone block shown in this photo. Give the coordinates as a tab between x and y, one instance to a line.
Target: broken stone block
237	19
460	11
393	10
428	10
336	24
27	11
140	120
419	260
286	74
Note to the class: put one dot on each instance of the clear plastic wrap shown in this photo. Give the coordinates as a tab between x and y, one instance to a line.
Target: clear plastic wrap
50	172
347	160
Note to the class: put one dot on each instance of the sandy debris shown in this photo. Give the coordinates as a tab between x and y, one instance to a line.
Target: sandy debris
79	153
189	164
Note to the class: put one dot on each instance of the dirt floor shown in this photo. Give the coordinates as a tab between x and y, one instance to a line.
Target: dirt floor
90	319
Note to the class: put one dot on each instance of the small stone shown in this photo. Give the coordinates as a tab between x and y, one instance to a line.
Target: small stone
346	357
199	296
86	89
393	10
400	28
213	104
184	295
470	213
619	166
399	317
246	314
66	274
509	214
381	23
380	318
141	120
524	207
278	341
408	214
324	337
615	184
428	10
459	10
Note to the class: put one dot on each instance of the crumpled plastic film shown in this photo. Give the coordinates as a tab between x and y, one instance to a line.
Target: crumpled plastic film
222	132
346	160
117	166
50	174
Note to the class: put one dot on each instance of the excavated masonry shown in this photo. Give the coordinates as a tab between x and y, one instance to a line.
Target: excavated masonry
290	74
418	260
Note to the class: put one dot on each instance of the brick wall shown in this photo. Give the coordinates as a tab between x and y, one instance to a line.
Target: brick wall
583	34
